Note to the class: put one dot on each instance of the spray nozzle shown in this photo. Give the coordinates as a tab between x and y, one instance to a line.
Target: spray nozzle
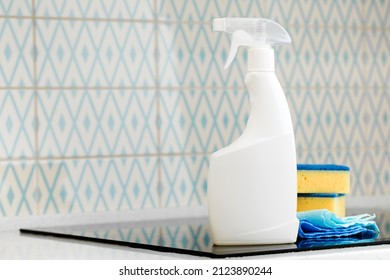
251	32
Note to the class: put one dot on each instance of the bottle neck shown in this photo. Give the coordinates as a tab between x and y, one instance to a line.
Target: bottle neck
261	60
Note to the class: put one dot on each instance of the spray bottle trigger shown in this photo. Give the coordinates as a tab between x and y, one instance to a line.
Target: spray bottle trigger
239	38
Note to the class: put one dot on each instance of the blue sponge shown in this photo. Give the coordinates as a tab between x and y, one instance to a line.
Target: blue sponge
332	167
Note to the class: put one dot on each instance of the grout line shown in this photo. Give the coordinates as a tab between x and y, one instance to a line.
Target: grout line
36	157
192	87
119	20
365	44
192	22
345	149
122	88
36	125
364	61
158	108
36	121
158	93
103	156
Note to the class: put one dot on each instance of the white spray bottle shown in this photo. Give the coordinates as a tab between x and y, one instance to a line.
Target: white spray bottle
252	183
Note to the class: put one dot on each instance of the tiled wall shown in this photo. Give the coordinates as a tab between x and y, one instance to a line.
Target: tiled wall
110	105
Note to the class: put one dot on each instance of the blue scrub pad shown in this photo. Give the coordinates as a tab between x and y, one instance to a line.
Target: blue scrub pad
316	167
327	195
322	223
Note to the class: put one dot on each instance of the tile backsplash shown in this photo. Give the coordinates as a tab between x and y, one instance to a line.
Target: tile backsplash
116	105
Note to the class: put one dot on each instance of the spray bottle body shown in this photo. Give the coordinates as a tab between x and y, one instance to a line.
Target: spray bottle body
252	183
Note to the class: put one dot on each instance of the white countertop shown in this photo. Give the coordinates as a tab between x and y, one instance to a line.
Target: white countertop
14	245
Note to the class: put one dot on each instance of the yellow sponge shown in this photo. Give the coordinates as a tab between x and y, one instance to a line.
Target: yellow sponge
323	178
333	202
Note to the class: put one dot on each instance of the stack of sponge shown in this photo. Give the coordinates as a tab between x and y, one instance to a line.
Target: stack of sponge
323	186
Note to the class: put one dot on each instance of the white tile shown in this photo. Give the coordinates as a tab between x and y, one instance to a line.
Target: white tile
94	53
17	138
97	122
108	9
16	45
18	193
91	185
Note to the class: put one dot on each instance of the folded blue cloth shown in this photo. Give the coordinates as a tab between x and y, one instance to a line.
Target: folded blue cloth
325	224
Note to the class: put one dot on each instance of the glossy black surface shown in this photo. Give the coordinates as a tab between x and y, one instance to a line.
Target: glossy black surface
191	236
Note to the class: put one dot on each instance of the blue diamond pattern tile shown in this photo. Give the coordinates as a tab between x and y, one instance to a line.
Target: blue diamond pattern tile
95	123
190	171
205	10
376	173
17	186
16	45
321	57
193	55
16	7
17	137
376	118
95	53
86	185
107	9
369	121
378	57
326	119
315	13
201	120
290	12
377	14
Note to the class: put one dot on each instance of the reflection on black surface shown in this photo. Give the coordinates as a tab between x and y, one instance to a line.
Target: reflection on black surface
193	237
182	236
331	242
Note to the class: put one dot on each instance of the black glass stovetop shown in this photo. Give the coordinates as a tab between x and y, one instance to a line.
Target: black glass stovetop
192	237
